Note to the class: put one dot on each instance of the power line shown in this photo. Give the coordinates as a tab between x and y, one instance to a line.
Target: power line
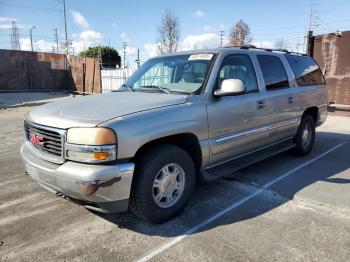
30	7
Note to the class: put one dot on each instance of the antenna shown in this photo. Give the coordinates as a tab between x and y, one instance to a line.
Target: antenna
14	37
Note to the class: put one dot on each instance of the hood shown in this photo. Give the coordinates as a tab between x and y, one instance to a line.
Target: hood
91	110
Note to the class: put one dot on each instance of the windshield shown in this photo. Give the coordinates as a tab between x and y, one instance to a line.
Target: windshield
171	74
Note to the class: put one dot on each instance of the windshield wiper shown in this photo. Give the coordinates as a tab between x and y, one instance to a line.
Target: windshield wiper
128	87
164	89
121	89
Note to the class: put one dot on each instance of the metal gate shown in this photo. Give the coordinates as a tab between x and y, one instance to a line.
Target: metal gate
112	79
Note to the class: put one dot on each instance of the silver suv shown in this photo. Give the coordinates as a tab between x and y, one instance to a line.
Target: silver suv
181	118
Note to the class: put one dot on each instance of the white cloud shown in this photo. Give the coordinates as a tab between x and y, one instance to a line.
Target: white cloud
7	19
131	50
208	28
209	40
5	23
90	36
85	39
199	13
5	26
114	24
263	44
80	20
40	45
151	49
124	37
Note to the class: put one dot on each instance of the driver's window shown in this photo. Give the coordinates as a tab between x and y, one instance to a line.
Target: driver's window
239	67
194	72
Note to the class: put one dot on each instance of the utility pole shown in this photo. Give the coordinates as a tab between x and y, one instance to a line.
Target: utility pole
65	25
138	58
221	37
124	54
31	37
56	39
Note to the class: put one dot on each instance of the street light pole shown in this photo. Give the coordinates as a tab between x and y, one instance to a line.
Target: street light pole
31	37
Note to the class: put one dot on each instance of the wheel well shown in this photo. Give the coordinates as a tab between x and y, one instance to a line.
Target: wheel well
187	141
312	111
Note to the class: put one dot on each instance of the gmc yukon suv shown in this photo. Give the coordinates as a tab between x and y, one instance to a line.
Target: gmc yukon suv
180	118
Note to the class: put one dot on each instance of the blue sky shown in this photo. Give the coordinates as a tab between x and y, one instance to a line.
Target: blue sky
92	22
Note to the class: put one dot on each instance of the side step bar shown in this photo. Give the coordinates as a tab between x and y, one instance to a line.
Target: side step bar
228	168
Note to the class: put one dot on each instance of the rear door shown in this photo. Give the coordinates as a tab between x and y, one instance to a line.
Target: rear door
236	123
279	98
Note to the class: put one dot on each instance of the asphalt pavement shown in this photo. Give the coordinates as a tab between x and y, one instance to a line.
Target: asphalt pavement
285	208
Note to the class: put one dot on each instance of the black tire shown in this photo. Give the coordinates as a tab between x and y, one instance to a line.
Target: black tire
148	165
303	146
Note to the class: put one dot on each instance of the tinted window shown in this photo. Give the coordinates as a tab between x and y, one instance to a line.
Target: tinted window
239	67
273	71
306	70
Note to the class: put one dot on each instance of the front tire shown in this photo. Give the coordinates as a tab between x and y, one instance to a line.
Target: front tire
164	180
305	137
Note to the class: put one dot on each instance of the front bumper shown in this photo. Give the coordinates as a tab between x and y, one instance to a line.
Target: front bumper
104	188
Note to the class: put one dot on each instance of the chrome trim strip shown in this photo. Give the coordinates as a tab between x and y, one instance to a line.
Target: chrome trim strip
282	123
41	154
256	131
240	135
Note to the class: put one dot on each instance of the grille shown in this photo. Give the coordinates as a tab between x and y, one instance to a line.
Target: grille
44	139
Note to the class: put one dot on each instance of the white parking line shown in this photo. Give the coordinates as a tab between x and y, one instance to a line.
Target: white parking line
233	206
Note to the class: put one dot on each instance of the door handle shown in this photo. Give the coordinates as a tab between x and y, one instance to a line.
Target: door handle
260	104
290	100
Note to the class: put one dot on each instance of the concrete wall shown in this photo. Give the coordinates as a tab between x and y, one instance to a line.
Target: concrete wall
333	54
37	71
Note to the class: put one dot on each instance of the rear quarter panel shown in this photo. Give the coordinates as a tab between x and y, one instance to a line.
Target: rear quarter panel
308	96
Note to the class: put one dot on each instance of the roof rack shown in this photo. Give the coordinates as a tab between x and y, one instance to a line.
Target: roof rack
269	49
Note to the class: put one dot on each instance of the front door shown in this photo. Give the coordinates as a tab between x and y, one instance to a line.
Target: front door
236	123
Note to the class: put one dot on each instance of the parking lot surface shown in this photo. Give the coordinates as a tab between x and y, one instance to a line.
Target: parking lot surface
285	208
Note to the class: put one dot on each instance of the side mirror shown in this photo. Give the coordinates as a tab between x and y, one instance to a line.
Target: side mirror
230	87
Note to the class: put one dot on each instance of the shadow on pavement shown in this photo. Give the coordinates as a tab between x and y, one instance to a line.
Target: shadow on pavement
211	198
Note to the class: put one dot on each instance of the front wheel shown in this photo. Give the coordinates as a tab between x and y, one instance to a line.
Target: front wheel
163	183
305	137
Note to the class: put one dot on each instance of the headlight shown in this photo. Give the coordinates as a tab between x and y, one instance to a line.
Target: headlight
91	145
91	136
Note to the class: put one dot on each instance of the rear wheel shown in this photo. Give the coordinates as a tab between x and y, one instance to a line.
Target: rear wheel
163	183
305	137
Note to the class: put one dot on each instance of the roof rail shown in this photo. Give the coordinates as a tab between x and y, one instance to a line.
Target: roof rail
270	49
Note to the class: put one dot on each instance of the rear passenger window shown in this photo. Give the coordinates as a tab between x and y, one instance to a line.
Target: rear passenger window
239	67
306	70
273	72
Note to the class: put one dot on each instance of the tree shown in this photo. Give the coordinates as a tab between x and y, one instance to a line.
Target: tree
169	33
109	56
240	34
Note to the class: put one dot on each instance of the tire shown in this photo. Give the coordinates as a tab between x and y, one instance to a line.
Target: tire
305	138
147	201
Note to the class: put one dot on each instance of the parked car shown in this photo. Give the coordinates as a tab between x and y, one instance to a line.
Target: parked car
180	118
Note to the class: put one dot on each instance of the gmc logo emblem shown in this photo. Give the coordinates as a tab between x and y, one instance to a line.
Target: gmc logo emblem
36	140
